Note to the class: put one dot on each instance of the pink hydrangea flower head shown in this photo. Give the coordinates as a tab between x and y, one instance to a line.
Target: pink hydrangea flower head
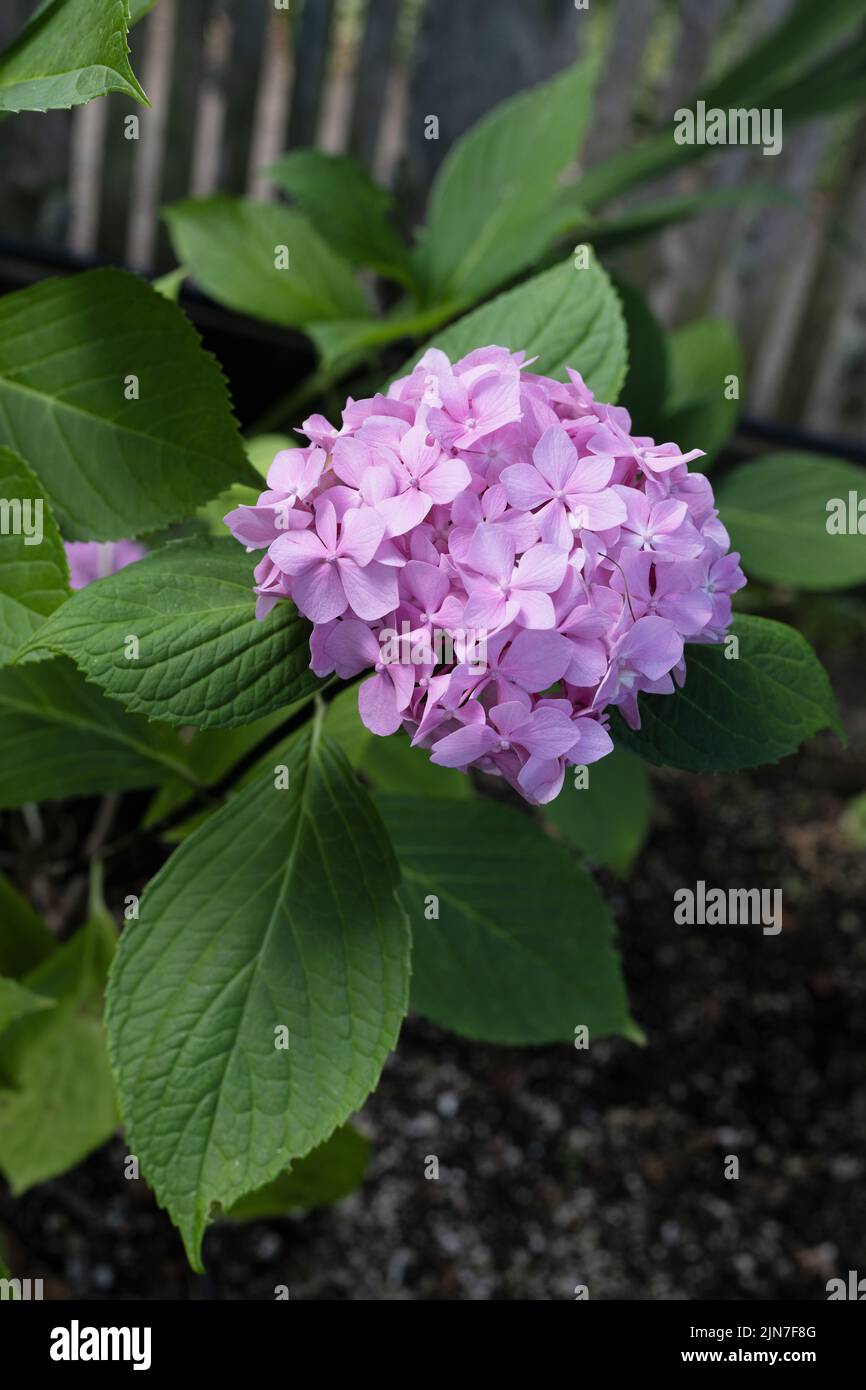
499	558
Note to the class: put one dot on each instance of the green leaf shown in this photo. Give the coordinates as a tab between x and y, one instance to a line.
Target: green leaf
263	448
780	71
645	385
345	343
785	53
853	820
621	229
231	245
70	52
59	1105
608	819
346	208
389	764
278	913
522	951
484	221
737	713
113	467
34	575
138	9
330	1172
566	317
25	940
776	510
698	415
61	737
203	657
169	285
212	753
16	1002
9	1291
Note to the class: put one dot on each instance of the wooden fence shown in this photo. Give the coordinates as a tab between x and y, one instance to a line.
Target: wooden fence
234	83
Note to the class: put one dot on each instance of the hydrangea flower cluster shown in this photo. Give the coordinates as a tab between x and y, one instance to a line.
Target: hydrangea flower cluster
89	560
503	557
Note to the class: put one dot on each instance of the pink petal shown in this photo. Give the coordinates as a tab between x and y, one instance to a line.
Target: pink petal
446	480
534	609
371	591
318	593
326	522
491	552
363	529
296	551
555	457
403	513
536	659
524	486
352	647
541	779
377	705
464	746
548	733
542	567
598	511
592	474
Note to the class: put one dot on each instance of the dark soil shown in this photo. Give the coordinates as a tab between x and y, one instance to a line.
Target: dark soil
605	1167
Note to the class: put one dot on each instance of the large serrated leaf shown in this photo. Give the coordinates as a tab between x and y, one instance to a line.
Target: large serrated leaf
280	912
70	52
347	209
565	317
737	712
61	737
25	940
57	1096
607	818
16	1001
330	1172
704	368
233	247
484	222
203	657
34	575
113	466
776	510
522	948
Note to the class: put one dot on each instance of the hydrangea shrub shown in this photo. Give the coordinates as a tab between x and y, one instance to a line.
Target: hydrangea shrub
390	723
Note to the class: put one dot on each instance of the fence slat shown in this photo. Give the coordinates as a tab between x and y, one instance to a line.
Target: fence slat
119	156
190	22
613	117
471	56
242	84
147	168
211	107
269	123
374	63
835	362
86	163
311	61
